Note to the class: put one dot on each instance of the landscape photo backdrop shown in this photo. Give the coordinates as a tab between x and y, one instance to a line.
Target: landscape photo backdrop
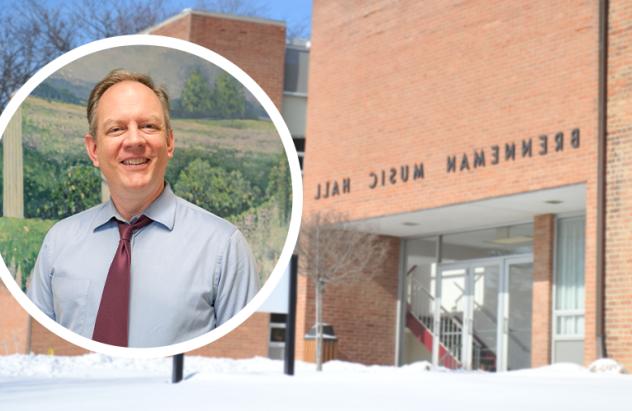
229	158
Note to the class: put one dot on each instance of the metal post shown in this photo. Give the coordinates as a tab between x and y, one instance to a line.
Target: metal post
602	170
400	328
290	325
178	367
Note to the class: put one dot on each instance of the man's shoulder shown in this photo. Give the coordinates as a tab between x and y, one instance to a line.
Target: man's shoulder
76	223
202	218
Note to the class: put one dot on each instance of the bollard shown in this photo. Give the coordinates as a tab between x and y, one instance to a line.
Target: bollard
178	366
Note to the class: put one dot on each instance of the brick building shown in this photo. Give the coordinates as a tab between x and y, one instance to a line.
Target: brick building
473	135
487	143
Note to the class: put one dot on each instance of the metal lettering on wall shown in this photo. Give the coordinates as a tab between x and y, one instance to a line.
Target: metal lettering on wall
392	176
527	148
332	189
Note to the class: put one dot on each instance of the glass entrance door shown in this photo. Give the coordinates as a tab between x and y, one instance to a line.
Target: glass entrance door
485	278
450	316
483	314
517	315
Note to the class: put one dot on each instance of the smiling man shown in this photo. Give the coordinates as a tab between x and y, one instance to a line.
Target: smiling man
147	268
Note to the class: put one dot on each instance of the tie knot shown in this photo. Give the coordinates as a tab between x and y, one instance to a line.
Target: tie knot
126	230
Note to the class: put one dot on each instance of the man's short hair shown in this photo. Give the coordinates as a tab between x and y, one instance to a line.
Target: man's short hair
117	76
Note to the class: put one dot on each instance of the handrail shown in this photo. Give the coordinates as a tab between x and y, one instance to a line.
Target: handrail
456	320
492	317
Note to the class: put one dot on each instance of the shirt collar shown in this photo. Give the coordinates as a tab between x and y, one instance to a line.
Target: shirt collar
162	210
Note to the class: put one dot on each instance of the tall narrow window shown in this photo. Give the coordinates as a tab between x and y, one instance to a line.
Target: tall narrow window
568	323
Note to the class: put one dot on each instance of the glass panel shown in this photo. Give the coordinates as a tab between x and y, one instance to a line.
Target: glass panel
277	334
491	242
420	255
520	288
485	317
569	274
296	70
453	304
570	325
420	289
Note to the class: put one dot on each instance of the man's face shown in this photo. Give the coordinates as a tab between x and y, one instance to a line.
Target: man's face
132	145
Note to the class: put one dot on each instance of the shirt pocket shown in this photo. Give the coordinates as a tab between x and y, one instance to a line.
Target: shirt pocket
70	296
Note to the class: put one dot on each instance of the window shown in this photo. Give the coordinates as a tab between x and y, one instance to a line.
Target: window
276	340
568	313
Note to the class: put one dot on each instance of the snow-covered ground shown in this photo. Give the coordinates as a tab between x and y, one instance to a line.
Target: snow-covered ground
97	382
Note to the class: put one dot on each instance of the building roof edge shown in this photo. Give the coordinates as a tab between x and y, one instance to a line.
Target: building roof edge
186	12
148	30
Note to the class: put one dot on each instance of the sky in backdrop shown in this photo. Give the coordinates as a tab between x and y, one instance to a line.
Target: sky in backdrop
286	10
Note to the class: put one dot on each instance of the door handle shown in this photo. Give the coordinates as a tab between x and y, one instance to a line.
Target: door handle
471	327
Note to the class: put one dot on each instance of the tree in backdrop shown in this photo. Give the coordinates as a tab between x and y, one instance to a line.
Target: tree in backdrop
20	243
331	251
280	187
215	189
228	97
79	190
197	96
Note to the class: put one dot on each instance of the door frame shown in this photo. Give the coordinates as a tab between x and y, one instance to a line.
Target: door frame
503	263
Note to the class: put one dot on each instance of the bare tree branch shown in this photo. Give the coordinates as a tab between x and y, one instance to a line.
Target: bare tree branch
330	252
32	34
55	30
298	28
100	19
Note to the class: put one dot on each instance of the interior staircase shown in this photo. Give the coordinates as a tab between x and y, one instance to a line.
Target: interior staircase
420	321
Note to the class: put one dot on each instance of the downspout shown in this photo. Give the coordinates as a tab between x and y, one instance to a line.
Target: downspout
600	329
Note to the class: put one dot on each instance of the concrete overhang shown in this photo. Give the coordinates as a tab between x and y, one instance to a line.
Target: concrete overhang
505	210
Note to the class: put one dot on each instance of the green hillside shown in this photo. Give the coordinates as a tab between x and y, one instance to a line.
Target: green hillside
224	166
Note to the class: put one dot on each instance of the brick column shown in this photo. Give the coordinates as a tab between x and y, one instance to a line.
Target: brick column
543	244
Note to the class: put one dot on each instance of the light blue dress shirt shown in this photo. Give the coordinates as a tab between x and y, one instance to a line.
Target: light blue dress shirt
190	272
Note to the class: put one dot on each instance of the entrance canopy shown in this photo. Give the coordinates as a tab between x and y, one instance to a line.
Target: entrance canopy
488	212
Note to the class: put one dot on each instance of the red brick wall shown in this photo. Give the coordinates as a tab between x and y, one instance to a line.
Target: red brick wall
248	340
365	324
178	28
362	312
543	248
619	187
13	324
43	341
398	83
257	48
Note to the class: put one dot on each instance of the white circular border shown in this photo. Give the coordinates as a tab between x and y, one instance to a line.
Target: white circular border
297	190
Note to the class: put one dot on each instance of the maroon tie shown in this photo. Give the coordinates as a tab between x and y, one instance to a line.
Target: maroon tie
112	319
